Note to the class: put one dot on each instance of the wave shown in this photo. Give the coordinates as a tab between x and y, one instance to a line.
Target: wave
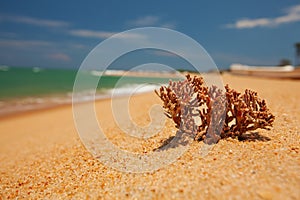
4	68
34	103
133	89
126	90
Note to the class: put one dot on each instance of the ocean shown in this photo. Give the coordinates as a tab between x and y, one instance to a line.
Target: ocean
24	89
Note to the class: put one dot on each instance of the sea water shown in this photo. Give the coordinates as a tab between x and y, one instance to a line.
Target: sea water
31	88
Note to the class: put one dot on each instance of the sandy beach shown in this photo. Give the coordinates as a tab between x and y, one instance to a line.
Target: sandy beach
42	156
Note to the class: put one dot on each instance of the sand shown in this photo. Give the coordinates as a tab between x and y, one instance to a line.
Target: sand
42	157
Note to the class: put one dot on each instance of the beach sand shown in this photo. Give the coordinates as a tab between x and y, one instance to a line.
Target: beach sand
42	157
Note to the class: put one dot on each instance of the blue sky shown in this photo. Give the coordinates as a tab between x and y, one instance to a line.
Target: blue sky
52	33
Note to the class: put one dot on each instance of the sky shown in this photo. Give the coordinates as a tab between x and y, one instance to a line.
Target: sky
60	34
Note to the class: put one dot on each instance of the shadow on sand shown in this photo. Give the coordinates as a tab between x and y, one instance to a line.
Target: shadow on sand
253	136
178	139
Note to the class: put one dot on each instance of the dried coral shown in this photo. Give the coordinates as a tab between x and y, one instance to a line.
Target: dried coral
210	113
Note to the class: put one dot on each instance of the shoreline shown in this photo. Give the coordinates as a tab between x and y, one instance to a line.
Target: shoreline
49	106
67	100
13	104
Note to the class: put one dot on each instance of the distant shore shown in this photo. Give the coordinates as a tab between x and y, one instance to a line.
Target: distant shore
168	74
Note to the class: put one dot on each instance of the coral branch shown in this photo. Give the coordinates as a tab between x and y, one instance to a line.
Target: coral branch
210	113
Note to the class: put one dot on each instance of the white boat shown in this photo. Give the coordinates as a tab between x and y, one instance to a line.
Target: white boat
287	71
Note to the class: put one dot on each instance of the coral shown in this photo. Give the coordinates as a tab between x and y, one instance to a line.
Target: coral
210	114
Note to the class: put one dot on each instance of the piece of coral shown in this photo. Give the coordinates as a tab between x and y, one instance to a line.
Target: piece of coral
211	114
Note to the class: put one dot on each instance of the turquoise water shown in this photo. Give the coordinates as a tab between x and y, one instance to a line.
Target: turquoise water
24	89
32	82
18	83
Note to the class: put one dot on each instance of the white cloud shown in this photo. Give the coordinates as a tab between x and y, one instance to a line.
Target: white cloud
103	34
247	23
33	21
23	43
91	34
145	21
59	57
168	25
151	20
292	15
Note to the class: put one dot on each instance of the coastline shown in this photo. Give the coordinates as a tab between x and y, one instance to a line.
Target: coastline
112	82
41	155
